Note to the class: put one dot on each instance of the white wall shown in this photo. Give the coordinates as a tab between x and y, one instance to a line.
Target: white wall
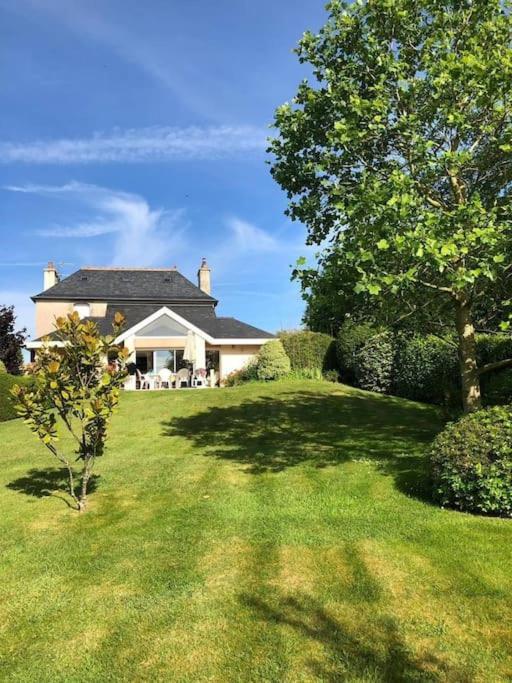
234	358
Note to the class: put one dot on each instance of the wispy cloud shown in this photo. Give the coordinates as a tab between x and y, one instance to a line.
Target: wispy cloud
140	145
249	237
143	236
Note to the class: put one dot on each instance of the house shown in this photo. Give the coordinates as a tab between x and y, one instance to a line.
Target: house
161	308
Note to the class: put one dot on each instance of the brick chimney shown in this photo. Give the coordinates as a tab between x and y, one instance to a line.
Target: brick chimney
204	280
50	276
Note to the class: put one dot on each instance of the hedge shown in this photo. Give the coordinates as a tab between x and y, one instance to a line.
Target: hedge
309	350
419	367
7	411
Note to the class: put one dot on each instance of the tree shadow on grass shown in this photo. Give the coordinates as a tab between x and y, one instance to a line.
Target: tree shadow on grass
273	433
51	481
359	640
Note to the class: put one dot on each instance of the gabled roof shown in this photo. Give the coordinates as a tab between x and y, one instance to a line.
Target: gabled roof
126	284
202	317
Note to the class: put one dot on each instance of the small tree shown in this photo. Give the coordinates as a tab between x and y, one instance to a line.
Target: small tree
75	387
273	363
11	341
401	155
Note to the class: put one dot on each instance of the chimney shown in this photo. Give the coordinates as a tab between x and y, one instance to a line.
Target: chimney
204	277
50	276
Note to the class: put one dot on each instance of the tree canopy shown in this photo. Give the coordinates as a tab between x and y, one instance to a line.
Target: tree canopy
400	154
11	341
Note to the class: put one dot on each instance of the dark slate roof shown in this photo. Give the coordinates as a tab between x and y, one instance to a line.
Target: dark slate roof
201	316
120	284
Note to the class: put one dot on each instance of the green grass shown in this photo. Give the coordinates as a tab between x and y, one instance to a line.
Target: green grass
261	533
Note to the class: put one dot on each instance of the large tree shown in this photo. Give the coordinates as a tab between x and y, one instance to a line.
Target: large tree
400	153
11	341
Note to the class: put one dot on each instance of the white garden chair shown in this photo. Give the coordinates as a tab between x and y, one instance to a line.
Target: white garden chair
182	376
165	378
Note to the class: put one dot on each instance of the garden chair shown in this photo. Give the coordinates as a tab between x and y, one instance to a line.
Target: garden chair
182	376
199	379
165	378
142	380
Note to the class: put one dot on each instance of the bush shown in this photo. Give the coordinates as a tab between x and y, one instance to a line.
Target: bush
426	369
374	364
351	338
306	373
3	369
249	373
471	463
331	376
272	361
309	350
7	411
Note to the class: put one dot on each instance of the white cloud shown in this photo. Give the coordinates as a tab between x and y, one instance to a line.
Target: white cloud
160	143
143	236
249	237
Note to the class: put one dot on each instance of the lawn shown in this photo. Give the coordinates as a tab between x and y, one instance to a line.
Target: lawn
276	532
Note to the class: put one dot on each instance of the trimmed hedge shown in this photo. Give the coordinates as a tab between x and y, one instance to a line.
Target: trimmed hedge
471	462
351	338
309	350
7	411
426	369
374	363
272	363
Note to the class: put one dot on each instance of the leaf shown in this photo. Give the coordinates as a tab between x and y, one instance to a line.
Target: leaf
383	245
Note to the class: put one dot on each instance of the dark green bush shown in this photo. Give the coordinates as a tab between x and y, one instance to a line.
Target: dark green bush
374	363
426	368
309	350
7	411
471	462
331	376
497	388
351	337
272	361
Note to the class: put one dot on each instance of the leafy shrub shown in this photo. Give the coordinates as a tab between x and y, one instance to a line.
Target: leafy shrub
7	410
351	338
309	350
306	373
374	363
248	373
426	369
331	376
471	463
272	361
3	369
497	388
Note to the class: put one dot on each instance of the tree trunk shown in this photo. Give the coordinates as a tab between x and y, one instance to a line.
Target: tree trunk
86	474
470	378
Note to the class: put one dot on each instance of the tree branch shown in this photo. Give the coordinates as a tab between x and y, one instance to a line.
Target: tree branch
498	365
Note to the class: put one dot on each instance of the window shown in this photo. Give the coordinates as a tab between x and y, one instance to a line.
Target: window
163	359
212	360
163	327
83	310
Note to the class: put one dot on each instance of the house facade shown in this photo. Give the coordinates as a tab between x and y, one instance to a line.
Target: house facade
161	308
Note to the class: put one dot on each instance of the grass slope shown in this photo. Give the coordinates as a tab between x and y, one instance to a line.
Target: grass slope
262	533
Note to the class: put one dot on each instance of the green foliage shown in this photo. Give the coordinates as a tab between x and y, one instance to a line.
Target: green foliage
7	408
11	341
75	389
309	350
331	376
471	463
351	338
497	388
248	373
398	155
3	369
374	363
426	368
273	363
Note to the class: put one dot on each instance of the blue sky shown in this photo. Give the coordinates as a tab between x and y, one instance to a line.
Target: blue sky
134	134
